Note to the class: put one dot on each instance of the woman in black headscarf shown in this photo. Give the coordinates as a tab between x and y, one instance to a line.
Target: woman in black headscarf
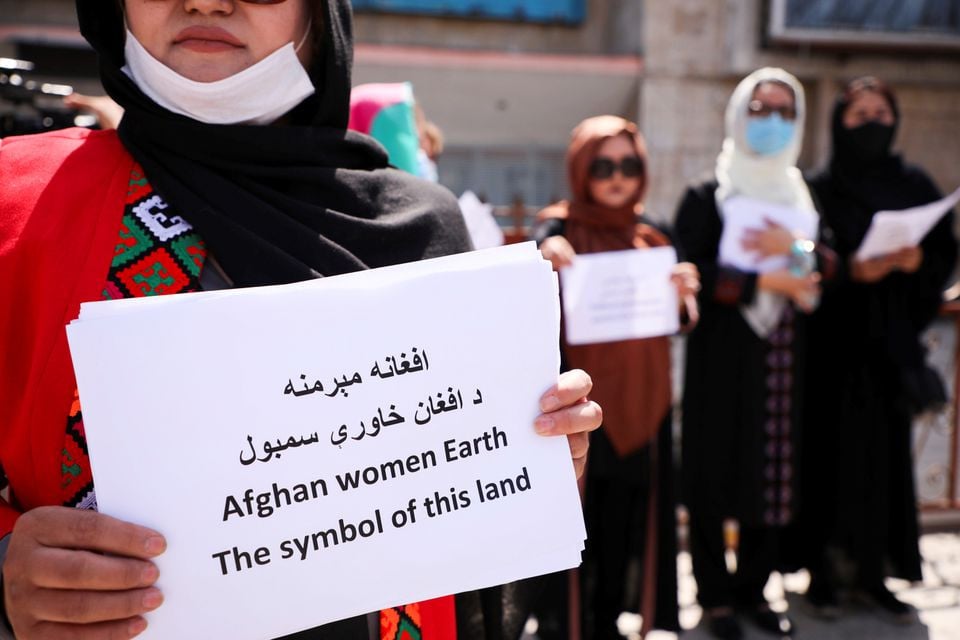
231	166
865	359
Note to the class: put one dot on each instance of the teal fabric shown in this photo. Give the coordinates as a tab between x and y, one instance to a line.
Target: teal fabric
396	129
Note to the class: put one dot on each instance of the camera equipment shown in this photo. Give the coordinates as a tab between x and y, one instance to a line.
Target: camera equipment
30	105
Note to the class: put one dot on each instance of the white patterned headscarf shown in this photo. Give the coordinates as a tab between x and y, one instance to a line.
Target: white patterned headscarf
773	178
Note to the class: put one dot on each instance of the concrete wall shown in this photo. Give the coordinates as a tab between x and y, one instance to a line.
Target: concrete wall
490	101
506	118
499	90
49	12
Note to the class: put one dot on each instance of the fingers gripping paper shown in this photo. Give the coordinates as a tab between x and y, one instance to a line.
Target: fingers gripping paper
336	447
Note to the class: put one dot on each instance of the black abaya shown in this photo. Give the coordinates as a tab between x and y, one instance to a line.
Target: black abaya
860	484
740	417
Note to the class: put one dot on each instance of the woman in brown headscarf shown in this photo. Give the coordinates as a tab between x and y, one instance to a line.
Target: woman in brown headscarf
630	559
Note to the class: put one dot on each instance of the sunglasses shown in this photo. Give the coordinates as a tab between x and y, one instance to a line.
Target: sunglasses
603	168
759	109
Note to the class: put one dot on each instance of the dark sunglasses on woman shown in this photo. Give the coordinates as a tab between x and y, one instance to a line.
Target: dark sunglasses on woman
603	168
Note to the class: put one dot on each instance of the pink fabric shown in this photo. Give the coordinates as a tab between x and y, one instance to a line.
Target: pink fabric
366	101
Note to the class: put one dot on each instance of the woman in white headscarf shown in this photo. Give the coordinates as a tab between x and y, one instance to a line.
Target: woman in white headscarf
740	409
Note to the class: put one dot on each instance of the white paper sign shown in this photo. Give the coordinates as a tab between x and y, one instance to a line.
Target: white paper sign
322	450
482	226
742	214
891	231
620	295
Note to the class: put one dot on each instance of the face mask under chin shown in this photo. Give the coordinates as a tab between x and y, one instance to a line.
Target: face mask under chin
238	99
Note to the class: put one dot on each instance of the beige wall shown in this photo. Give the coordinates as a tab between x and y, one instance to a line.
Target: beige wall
480	105
52	12
535	94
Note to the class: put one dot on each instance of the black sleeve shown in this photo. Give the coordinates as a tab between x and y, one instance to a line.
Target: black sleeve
698	229
833	269
831	266
547	228
939	260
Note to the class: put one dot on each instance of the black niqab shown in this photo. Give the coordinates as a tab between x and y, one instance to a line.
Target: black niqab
852	189
858	177
296	200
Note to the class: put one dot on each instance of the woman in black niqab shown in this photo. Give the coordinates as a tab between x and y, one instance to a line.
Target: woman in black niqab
858	492
302	198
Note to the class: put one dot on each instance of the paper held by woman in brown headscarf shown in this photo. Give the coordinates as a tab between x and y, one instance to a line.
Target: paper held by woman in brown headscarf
631	377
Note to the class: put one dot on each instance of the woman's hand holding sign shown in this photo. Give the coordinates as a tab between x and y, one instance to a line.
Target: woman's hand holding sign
79	574
567	411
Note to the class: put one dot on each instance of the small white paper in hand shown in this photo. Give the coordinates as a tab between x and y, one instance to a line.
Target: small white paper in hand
891	231
481	223
742	214
620	295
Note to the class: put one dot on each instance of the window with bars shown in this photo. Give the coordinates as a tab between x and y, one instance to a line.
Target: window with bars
894	24
503	175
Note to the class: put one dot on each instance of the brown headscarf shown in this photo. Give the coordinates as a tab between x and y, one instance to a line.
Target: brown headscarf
631	378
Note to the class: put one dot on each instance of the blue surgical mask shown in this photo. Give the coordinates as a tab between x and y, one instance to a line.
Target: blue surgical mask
769	135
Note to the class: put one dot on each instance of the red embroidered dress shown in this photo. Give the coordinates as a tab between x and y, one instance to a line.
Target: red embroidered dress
157	253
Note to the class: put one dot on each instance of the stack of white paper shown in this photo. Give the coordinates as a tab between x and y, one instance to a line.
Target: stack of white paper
321	450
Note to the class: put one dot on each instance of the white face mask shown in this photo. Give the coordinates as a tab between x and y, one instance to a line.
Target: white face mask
257	95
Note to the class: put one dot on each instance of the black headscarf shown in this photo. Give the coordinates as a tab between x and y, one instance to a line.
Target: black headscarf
857	184
857	172
296	200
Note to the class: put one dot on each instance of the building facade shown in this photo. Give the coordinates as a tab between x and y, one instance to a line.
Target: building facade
506	80
695	52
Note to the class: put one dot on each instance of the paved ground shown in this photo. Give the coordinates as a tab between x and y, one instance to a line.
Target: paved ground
937	601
